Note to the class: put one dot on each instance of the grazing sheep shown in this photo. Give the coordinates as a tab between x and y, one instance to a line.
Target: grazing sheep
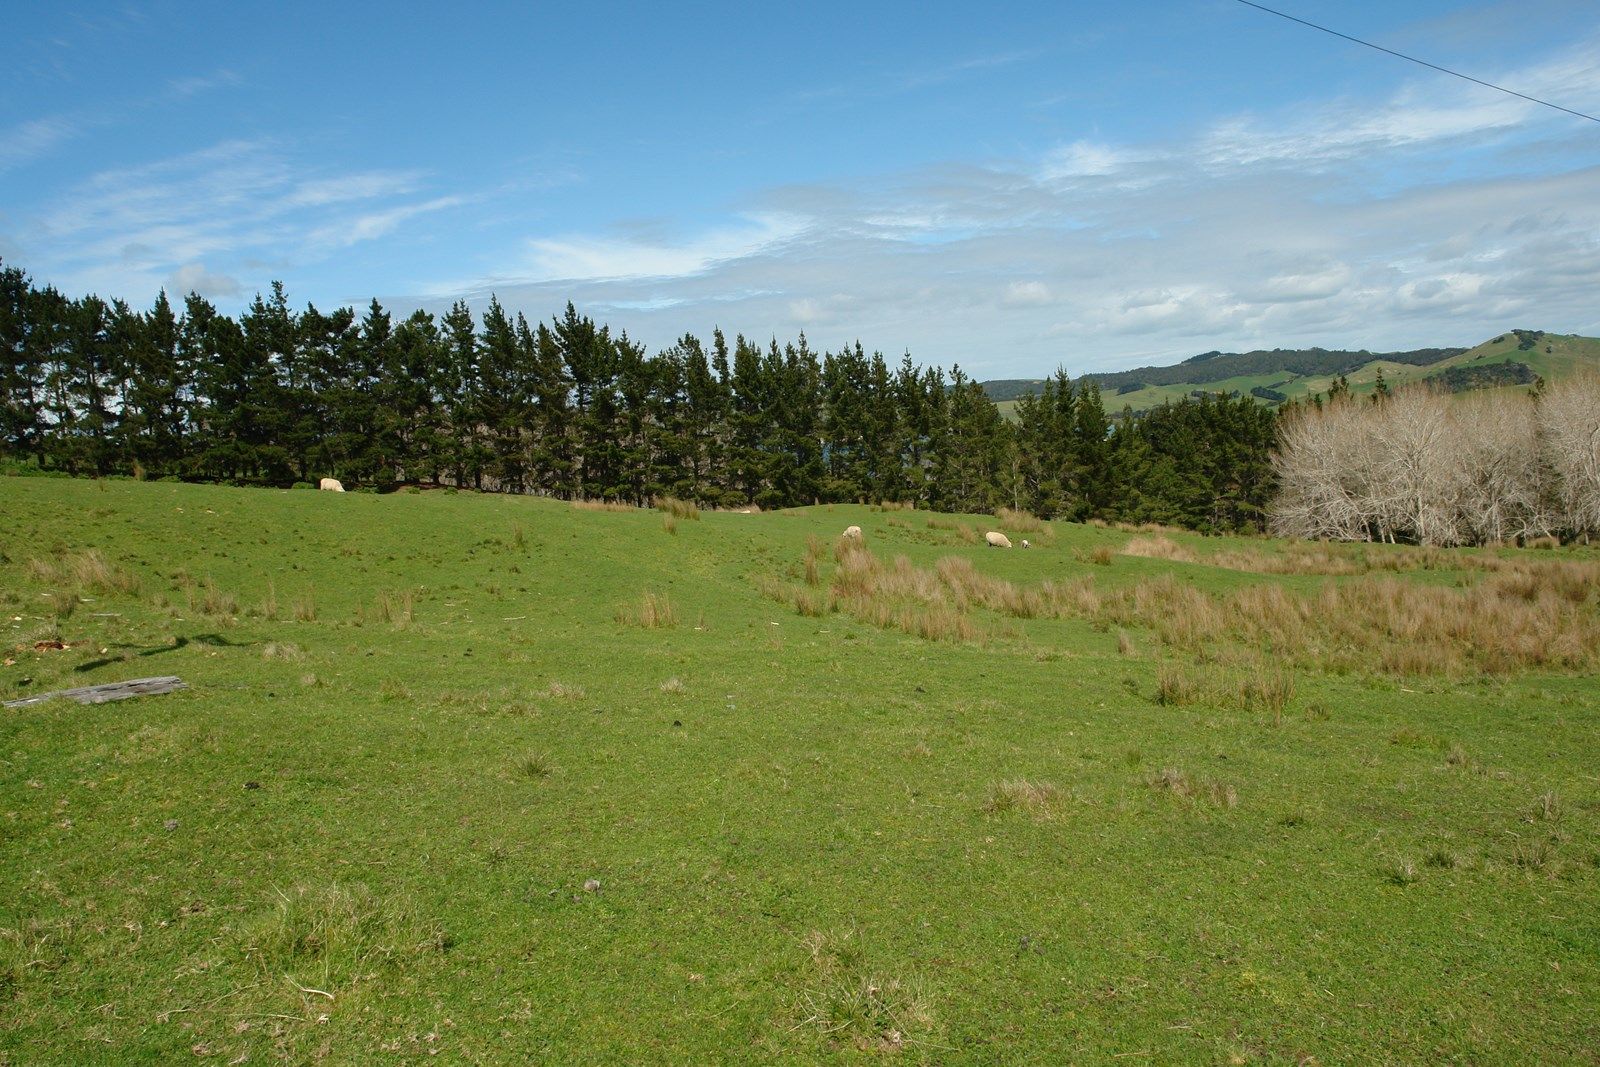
1025	543
332	485
853	531
996	539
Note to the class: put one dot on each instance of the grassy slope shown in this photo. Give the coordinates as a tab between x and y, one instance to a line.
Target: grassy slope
1569	353
827	778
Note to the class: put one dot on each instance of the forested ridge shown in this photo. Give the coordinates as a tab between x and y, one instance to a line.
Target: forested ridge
570	409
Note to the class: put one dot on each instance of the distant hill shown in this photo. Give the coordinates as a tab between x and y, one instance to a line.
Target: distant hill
1279	375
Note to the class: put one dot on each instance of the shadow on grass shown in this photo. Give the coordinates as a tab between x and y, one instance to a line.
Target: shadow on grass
214	640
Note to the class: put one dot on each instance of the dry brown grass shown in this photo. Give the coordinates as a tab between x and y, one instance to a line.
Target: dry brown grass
675	508
602	505
669	524
304	608
1517	614
654	611
1025	522
1159	548
87	571
396	609
1042	800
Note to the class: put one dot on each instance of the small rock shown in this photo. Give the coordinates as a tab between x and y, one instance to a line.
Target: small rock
592	886
170	825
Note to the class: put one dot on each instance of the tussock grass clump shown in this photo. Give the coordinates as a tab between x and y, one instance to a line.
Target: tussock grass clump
848	1001
962	530
1175	782
1251	687
535	765
654	611
1177	687
212	602
284	650
562	691
304	608
1547	807
1400	871
396	609
331	936
1102	556
1159	548
675	508
602	505
673	686
85	571
1411	737
898	595
1016	521
1038	799
670	525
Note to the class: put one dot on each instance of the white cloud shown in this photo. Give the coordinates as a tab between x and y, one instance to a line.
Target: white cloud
1027	294
195	278
584	258
30	140
233	207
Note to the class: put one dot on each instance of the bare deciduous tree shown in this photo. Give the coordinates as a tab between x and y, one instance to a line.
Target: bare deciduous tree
1426	467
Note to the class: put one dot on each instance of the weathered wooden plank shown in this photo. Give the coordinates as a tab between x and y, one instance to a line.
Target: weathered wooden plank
100	694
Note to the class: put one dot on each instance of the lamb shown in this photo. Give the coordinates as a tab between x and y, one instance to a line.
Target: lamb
332	485
996	539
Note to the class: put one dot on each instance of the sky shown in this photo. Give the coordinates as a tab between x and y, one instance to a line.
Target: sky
1011	188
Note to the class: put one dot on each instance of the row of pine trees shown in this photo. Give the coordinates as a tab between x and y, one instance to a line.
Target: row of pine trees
570	409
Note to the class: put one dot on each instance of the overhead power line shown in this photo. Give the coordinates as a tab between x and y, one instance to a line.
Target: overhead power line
1419	62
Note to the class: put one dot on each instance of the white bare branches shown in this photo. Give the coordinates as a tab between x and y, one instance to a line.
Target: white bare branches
1435	470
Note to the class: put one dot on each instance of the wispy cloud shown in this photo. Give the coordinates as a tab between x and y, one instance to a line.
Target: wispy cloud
586	258
30	140
1336	225
202	218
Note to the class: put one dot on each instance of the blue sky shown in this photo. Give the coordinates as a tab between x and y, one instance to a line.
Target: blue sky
1089	185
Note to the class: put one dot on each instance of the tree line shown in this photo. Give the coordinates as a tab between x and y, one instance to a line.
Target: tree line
571	409
1419	466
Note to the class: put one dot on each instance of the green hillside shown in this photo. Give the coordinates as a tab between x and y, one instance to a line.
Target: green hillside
1298	373
464	778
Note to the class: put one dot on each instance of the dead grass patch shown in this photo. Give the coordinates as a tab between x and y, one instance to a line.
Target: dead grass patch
602	505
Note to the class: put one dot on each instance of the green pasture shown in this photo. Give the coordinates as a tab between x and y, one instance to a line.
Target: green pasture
417	725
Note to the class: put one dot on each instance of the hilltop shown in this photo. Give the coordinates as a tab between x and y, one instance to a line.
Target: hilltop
1277	375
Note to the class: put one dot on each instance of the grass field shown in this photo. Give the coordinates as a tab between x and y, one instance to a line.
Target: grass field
1568	354
495	779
